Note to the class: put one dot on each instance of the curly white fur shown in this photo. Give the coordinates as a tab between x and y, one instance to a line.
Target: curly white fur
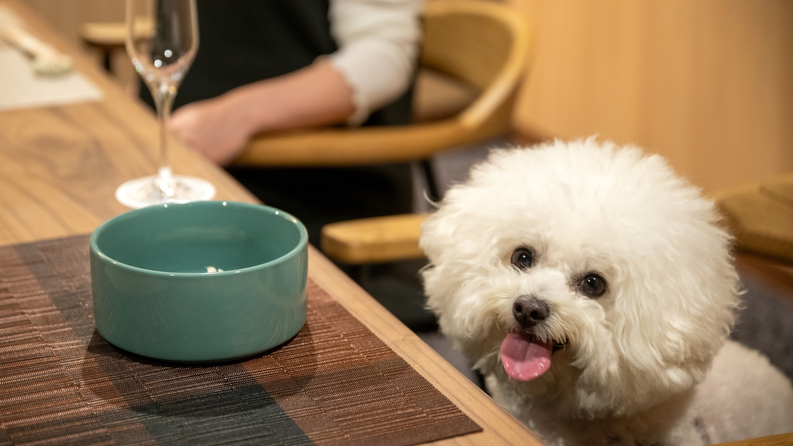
637	362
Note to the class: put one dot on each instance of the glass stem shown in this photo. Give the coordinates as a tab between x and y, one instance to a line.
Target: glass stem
163	102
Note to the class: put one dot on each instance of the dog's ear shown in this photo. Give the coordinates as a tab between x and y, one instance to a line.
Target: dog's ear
437	233
434	230
672	316
454	240
443	231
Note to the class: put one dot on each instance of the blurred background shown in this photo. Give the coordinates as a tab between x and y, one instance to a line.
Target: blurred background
707	84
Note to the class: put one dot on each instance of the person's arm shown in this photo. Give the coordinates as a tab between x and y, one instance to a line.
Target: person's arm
378	49
220	127
378	44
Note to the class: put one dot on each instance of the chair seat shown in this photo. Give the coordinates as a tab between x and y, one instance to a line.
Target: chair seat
106	35
374	240
437	96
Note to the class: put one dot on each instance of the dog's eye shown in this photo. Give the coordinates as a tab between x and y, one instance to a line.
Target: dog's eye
522	258
592	285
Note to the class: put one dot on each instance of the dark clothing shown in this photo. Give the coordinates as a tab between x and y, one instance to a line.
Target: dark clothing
242	42
317	196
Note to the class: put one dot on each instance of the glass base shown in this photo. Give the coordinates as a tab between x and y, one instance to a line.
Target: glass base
147	191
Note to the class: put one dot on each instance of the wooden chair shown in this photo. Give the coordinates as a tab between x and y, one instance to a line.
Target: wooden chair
105	38
482	44
760	216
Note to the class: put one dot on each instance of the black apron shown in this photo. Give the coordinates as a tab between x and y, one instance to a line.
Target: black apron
246	41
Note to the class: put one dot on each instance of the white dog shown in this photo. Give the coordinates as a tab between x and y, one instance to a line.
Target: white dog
595	291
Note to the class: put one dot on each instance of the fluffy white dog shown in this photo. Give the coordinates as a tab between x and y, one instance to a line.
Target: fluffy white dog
595	291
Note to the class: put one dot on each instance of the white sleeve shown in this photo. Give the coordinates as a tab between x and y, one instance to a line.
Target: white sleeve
378	44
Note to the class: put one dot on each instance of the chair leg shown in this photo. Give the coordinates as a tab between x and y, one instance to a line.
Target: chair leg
107	60
361	274
432	186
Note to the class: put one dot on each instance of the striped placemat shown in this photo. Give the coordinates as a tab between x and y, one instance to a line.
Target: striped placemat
62	383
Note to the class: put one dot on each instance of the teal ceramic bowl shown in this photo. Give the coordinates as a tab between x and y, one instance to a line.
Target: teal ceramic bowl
206	281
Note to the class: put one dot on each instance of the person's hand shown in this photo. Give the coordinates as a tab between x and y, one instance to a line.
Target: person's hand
220	127
212	127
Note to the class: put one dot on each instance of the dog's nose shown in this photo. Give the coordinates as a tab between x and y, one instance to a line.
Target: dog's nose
530	311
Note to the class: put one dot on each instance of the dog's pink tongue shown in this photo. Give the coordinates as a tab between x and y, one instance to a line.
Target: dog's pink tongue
525	358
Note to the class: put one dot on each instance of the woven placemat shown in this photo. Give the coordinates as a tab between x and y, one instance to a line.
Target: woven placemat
61	382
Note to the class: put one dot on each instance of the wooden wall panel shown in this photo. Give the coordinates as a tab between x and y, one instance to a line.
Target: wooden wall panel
708	83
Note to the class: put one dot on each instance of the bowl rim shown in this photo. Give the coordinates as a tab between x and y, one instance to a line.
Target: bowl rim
301	244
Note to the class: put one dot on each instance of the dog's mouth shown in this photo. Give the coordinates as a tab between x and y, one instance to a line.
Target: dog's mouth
525	356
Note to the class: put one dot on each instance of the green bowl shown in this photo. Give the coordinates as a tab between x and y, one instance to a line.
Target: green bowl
156	295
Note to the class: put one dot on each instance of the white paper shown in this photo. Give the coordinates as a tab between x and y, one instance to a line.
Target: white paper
20	87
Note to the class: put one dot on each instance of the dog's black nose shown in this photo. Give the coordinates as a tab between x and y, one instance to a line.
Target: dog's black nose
530	311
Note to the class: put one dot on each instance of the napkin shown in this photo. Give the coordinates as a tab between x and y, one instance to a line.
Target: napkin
20	87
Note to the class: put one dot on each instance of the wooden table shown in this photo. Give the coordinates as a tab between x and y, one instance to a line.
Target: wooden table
59	167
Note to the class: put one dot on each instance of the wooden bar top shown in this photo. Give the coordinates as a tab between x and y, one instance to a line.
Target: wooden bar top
60	166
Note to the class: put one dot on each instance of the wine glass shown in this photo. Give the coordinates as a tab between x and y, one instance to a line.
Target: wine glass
162	40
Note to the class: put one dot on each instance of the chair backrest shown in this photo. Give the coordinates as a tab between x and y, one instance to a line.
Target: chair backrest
481	43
